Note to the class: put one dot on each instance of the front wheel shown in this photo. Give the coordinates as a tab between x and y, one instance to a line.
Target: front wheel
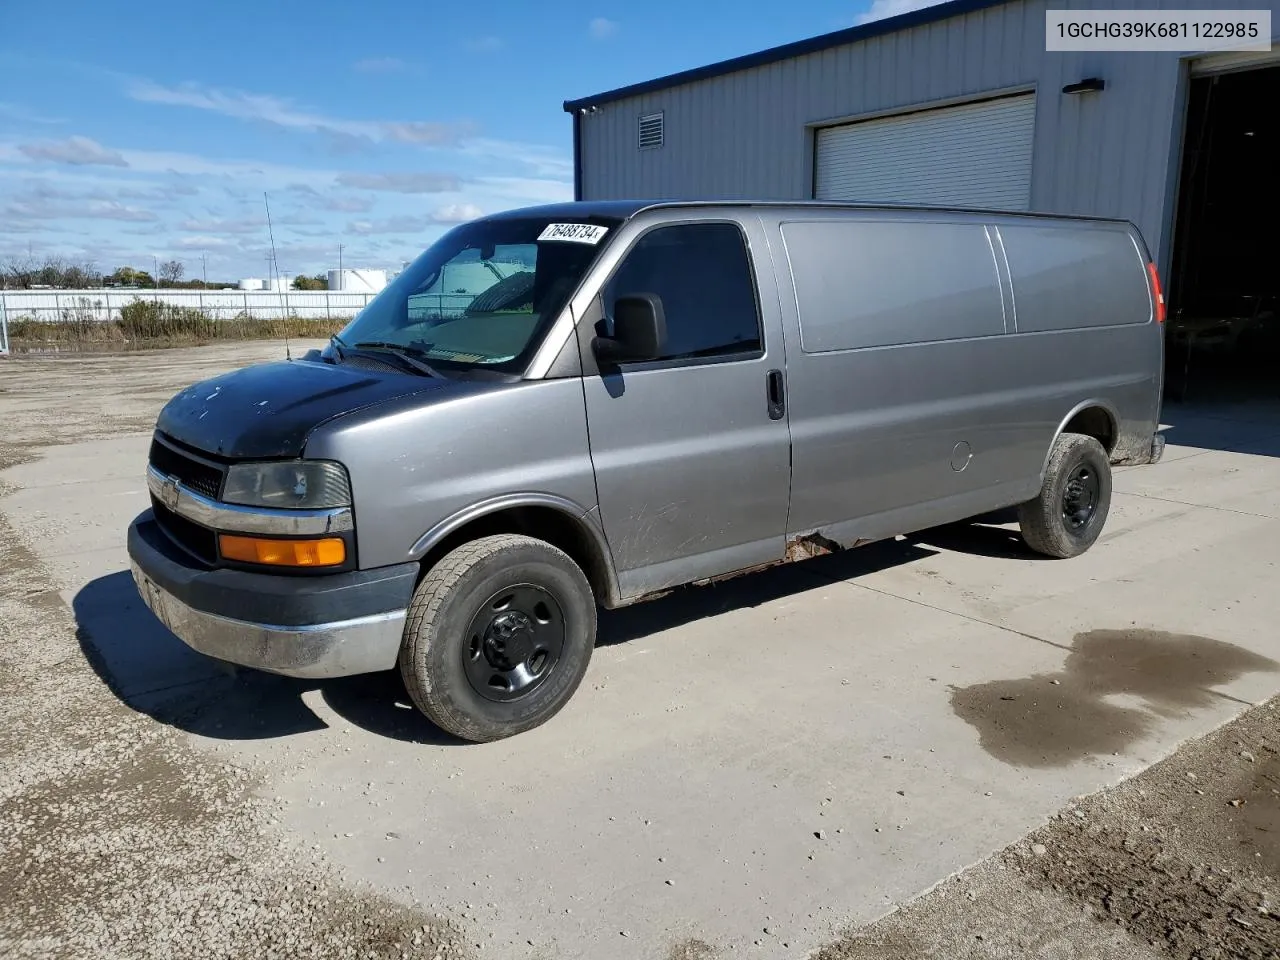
498	638
1067	517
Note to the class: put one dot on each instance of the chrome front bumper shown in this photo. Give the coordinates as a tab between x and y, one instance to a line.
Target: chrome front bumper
316	627
338	649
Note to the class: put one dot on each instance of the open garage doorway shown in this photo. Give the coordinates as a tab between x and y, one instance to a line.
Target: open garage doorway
1223	330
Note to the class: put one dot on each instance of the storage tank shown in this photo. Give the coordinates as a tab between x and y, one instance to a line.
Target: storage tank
357	280
250	283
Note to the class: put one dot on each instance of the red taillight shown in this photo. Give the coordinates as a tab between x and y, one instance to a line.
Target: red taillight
1156	292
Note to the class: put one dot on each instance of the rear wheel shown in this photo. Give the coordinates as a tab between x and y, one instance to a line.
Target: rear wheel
498	638
1068	515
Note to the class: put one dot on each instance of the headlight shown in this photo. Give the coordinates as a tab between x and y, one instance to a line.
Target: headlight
290	484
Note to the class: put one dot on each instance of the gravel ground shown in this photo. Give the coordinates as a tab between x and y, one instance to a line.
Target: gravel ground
1181	862
117	839
120	841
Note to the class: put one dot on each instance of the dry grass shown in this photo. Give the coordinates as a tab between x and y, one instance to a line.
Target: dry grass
164	324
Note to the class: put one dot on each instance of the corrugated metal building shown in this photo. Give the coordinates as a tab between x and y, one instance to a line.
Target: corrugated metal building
954	104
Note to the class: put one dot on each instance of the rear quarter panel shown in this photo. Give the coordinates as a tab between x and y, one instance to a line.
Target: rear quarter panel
1085	323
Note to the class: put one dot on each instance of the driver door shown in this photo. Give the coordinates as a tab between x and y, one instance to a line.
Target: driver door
692	450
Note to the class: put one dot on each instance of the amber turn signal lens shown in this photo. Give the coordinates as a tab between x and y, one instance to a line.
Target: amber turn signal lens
329	552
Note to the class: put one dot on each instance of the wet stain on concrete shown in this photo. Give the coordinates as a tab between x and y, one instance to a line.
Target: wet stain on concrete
1052	720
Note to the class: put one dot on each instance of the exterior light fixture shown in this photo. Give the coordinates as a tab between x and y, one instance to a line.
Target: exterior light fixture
1088	85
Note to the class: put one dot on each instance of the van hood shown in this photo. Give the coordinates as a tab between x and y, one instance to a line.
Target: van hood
268	410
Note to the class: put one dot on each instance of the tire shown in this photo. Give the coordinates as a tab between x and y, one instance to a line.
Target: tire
1046	527
521	588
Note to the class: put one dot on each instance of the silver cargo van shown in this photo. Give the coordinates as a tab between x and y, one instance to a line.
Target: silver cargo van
578	406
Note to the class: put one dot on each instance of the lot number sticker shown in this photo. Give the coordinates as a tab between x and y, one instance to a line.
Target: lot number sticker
574	232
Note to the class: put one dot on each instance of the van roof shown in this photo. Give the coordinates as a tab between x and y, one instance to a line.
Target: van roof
626	209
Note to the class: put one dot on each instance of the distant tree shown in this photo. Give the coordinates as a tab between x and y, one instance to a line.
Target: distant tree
129	277
23	273
318	282
81	276
171	272
16	273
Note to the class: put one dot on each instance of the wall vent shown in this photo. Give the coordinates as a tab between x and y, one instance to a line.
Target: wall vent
651	131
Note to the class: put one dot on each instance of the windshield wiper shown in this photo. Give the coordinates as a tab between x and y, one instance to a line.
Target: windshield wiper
337	343
407	354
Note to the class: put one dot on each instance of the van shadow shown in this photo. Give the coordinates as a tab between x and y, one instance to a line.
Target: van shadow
991	535
153	672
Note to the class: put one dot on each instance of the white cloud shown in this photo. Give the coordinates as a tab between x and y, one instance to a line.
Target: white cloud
401	182
456	213
380	65
354	136
223	225
601	28
79	151
238	172
525	189
207	243
48	207
349	204
389	225
339	203
883	9
543	161
113	210
160	192
43	190
297	218
241	178
282	112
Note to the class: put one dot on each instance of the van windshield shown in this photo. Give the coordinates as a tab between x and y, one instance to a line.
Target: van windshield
483	295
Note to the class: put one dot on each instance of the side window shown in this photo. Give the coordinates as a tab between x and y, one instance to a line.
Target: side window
702	274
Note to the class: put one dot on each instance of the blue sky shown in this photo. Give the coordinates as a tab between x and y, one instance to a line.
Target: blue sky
154	133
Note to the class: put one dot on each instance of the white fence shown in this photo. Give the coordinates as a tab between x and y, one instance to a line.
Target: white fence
88	305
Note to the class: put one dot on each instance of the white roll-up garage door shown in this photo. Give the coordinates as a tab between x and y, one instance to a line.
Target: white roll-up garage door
972	155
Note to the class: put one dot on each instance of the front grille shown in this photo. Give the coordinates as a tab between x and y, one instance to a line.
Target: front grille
199	475
200	542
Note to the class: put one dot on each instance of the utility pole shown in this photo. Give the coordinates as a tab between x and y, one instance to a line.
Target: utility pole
339	261
155	277
204	269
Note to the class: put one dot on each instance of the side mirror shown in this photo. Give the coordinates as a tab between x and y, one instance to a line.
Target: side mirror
639	330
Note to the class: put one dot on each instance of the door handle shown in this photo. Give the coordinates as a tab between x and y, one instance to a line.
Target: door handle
776	393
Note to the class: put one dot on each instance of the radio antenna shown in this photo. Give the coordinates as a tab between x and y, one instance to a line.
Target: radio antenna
275	265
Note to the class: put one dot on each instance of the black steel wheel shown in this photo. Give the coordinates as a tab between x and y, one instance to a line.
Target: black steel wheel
499	636
1080	497
514	642
1067	516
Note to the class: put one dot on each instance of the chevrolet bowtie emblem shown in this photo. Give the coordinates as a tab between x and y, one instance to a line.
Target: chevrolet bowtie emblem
169	493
